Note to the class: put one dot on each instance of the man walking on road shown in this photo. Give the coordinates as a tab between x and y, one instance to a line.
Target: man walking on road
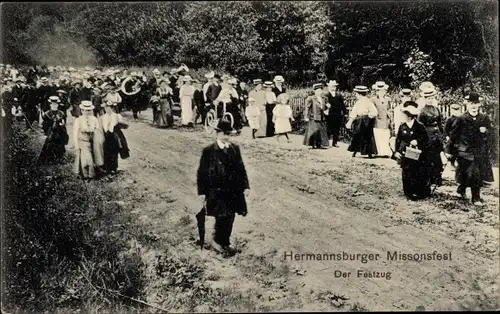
222	184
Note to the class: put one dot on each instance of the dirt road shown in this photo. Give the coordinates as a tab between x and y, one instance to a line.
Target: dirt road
319	202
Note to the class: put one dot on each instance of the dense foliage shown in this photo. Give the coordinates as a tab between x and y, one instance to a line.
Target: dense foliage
352	41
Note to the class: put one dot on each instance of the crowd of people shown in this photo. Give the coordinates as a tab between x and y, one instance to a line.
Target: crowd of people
95	98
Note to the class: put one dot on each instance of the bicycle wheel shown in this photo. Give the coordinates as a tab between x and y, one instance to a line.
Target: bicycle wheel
229	116
210	121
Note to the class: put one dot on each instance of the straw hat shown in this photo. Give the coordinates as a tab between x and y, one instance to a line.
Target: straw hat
317	86
278	79
268	84
187	78
86	105
361	89
426	85
61	91
428	91
405	92
232	81
257	81
54	99
156	71
455	107
380	85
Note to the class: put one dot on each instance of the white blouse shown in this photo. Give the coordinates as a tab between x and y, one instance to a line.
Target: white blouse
363	107
114	98
84	124
109	121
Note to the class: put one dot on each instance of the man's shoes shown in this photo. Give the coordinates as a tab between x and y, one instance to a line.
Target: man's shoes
217	247
229	251
461	192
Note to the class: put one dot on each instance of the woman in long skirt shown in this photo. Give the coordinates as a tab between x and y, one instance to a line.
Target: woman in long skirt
361	120
270	103
260	101
315	111
381	129
85	128
164	116
114	141
54	126
186	94
430	116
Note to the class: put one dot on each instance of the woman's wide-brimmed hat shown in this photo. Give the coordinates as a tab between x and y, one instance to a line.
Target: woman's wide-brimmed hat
268	84
361	89
61	91
410	107
380	85
224	126
86	105
187	78
332	83
428	91
54	99
474	98
278	79
225	77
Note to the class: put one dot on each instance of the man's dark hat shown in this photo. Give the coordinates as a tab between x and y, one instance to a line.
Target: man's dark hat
224	126
474	97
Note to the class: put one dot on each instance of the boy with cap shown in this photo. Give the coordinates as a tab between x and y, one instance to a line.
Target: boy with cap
222	184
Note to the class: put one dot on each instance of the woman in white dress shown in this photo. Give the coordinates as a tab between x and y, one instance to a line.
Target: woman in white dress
282	114
381	129
86	129
186	94
260	101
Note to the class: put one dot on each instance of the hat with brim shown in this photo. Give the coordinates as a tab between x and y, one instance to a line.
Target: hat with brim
455	107
60	91
156	71
410	108
187	78
224	126
332	83
361	89
278	79
474	98
428	92
86	105
250	99
317	86
54	99
405	92
257	81
210	75
380	85
426	85
268	84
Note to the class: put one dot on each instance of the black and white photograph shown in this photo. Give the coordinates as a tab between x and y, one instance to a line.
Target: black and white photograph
249	156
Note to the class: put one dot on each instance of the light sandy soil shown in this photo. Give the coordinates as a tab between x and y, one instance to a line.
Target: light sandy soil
316	201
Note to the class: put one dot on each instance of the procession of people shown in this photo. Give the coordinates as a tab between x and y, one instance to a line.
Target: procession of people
411	130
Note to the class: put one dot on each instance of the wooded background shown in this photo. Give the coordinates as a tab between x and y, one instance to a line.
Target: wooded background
354	42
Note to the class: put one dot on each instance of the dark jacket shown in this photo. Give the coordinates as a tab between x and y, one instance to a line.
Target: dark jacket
213	92
314	110
470	143
337	105
405	135
222	178
277	92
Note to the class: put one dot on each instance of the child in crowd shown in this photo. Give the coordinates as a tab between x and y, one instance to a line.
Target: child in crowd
252	112
282	114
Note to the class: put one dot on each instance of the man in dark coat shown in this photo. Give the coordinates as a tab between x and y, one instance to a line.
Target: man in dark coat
213	90
223	184
471	136
30	102
44	92
336	113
